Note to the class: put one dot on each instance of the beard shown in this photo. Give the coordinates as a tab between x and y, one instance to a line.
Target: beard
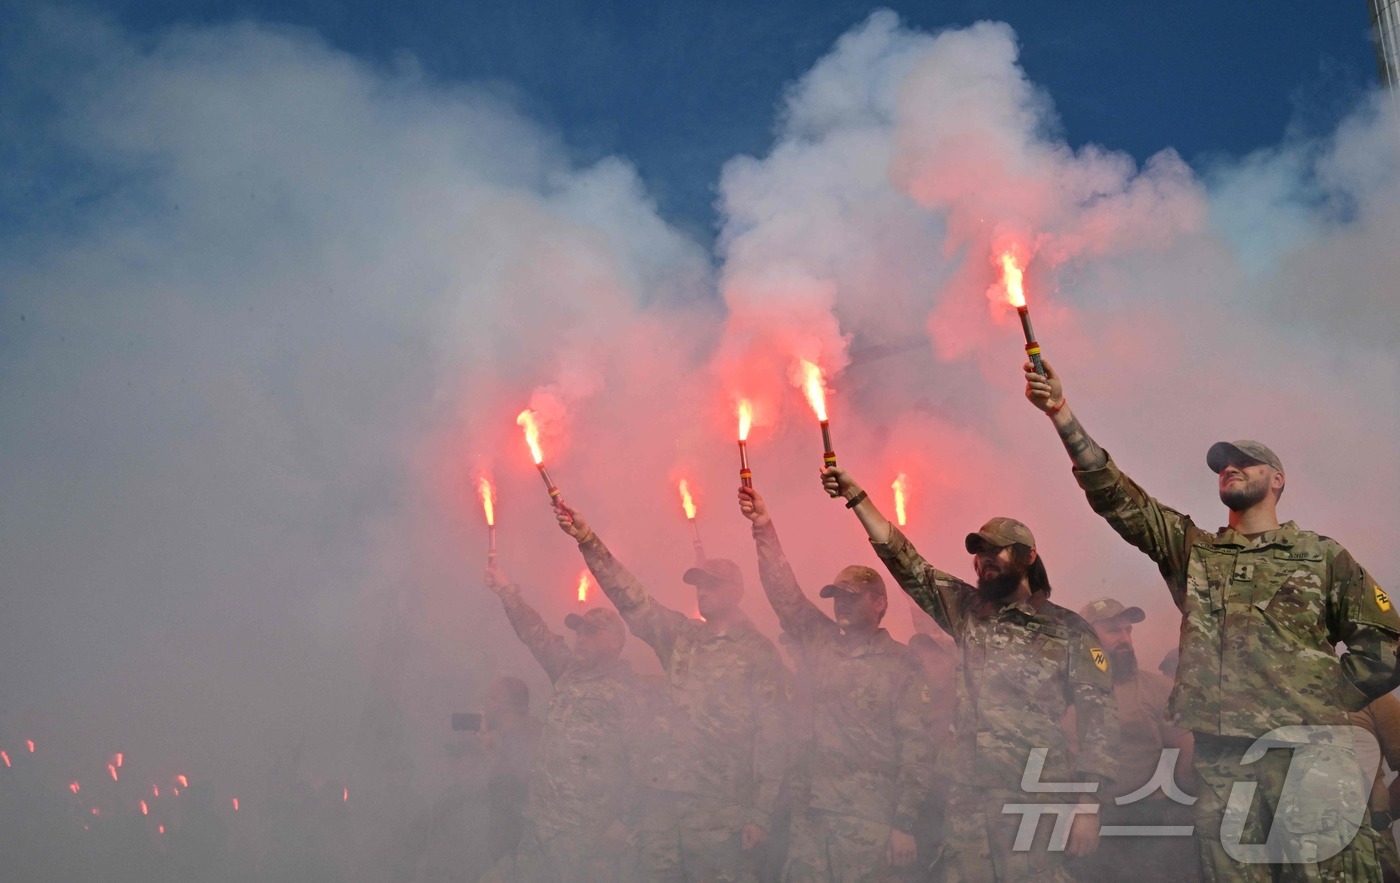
1125	664
1239	497
998	586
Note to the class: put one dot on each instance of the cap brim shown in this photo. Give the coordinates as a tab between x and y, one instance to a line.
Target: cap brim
1133	614
830	589
1222	454
975	541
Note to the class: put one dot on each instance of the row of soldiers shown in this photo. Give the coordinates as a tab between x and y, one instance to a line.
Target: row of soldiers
685	785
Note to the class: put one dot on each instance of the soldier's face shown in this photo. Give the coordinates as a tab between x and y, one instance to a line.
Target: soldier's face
1246	483
715	598
860	611
999	573
595	646
1117	637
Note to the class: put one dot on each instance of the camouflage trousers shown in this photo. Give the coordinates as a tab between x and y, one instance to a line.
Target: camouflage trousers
1150	858
978	840
1299	829
831	847
685	838
561	858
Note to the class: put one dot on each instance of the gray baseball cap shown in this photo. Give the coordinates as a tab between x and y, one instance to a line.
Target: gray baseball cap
1108	608
999	532
854	579
1222	454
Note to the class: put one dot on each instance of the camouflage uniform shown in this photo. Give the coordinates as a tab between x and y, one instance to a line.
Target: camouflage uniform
867	758
1382	720
1021	667
719	762
1260	619
583	774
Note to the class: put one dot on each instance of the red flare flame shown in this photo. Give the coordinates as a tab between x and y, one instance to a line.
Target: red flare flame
687	502
184	783
532	434
235	804
74	787
5	757
1012	275
901	488
583	587
119	758
111	768
488	500
145	810
344	795
161	829
745	419
813	389
30	743
155	790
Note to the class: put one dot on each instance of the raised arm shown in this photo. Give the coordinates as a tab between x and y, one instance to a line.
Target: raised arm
549	648
1048	394
935	592
798	615
1159	531
647	618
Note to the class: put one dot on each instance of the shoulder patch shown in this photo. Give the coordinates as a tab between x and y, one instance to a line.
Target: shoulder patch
1382	599
1100	659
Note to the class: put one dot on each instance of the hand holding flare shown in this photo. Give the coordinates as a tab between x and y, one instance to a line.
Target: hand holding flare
745	421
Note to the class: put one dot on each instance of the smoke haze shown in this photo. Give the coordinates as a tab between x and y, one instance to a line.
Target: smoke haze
278	310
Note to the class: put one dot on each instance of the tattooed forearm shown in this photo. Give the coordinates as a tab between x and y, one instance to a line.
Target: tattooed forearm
1083	450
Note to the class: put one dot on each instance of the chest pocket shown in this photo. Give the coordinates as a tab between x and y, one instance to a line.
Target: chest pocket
1294	592
1208	577
1035	667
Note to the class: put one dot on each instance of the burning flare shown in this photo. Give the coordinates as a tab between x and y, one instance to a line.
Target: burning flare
73	786
344	795
155	790
112	769
687	502
532	434
118	761
5	756
30	743
1011	274
488	500
901	488
235	804
184	783
745	419
583	587
813	389
145	810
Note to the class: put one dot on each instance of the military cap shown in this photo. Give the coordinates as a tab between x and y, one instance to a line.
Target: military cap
1107	608
854	579
1222	454
1000	532
598	619
720	570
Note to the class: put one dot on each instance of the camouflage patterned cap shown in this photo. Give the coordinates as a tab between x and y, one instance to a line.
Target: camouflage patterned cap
598	619
999	532
1222	454
1107	608
718	569
854	579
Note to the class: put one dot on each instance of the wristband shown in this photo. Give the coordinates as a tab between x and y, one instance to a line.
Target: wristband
856	500
1056	409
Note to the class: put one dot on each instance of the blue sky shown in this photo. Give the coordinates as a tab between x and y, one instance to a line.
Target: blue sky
680	88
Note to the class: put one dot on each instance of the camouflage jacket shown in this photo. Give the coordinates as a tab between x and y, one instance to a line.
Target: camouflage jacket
722	721
1260	617
1020	668
591	745
868	752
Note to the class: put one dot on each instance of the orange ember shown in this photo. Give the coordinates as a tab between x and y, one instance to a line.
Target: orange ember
687	502
155	790
120	757
161	829
583	587
235	804
5	757
30	743
344	795
73	786
532	434
745	419
184	783
812	388
901	488
113	770
1012	275
145	810
488	500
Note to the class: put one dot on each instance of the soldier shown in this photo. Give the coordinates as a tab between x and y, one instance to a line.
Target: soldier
581	797
1263	607
1024	661
1148	800
867	762
713	785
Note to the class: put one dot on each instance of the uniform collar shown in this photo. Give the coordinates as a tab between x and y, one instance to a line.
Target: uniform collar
1285	535
878	642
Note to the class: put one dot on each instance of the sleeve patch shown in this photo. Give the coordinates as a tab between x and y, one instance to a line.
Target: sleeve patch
1100	659
1382	599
